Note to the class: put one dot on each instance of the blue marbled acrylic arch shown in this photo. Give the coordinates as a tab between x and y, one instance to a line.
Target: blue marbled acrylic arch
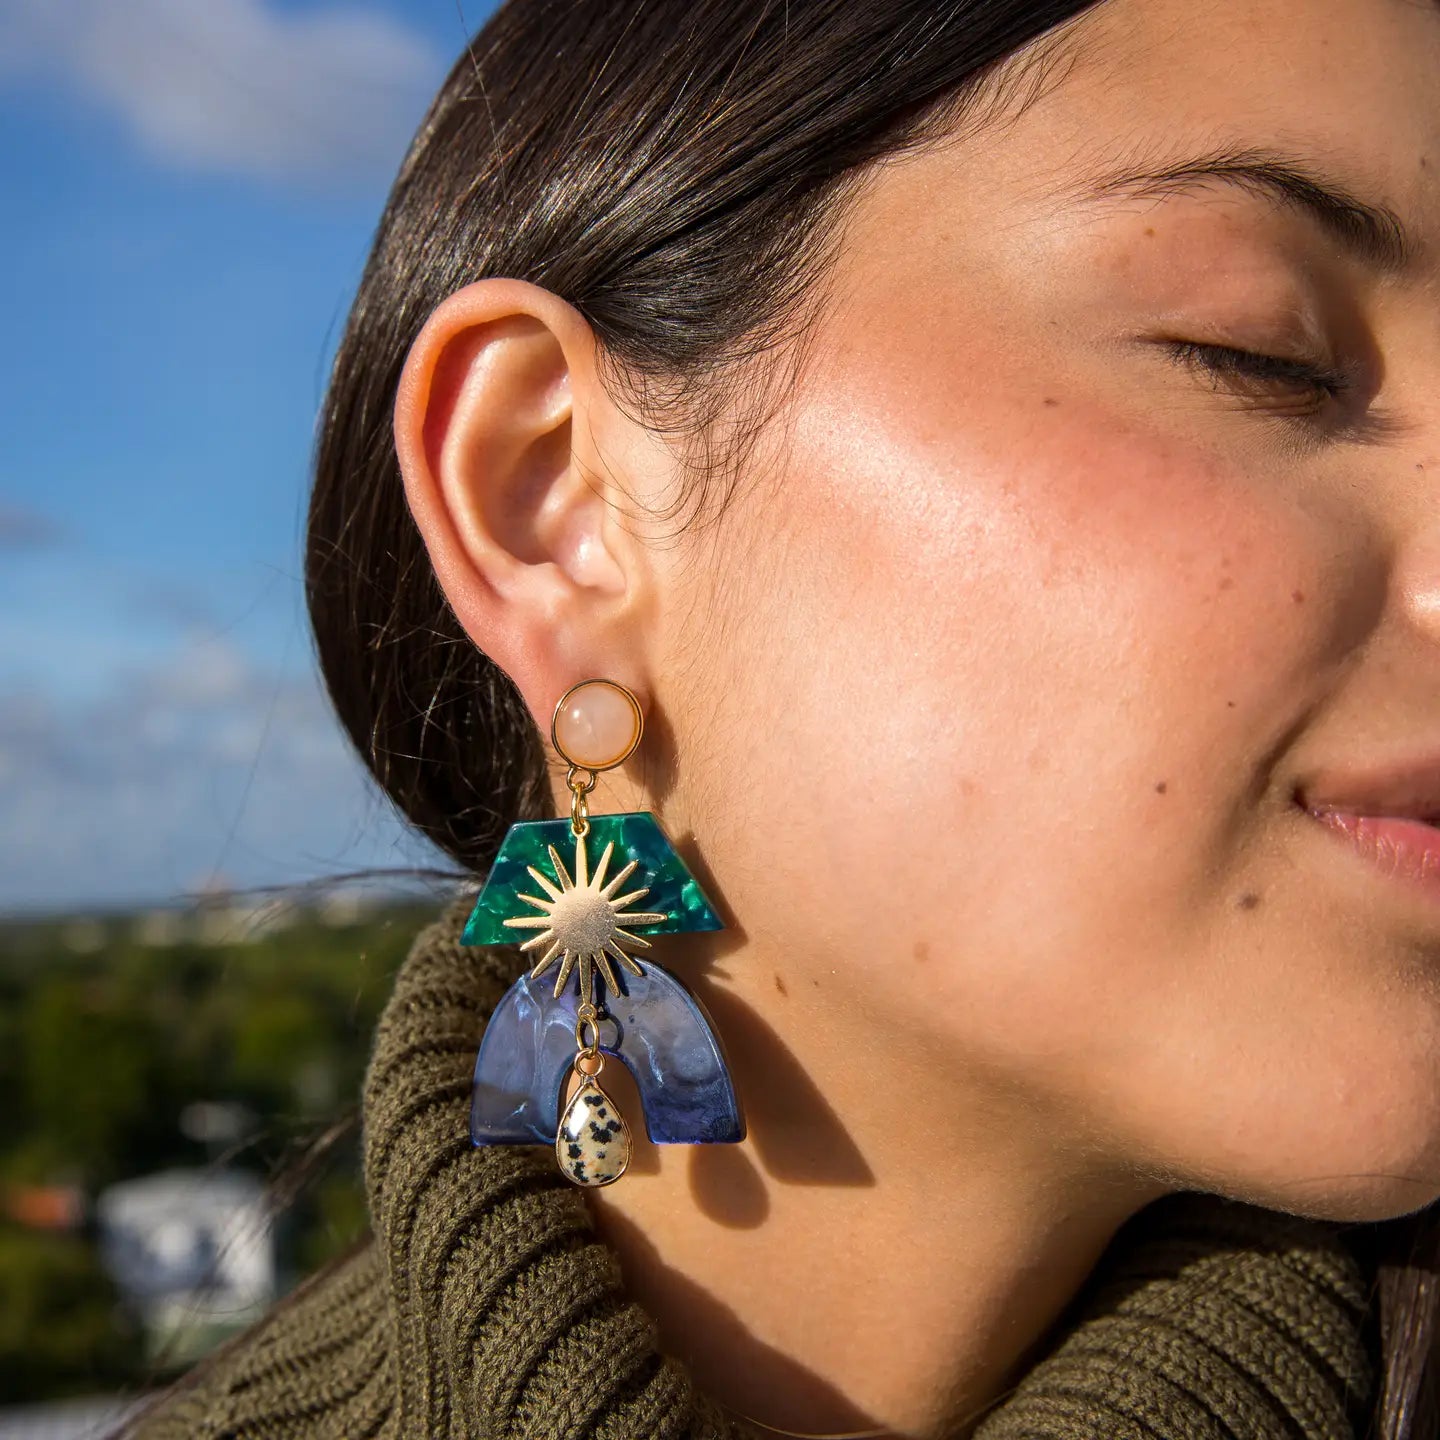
656	1028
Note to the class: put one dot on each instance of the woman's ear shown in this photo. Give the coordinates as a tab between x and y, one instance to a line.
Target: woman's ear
498	416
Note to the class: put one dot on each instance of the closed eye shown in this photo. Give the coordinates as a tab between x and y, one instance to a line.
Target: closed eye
1308	378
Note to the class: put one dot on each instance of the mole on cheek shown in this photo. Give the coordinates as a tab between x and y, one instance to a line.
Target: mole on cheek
1161	786
1249	900
780	986
1298	596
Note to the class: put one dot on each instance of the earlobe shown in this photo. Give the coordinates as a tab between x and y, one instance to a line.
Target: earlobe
492	427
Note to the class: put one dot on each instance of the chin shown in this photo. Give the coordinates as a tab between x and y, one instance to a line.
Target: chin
1382	1176
1365	1204
1359	1163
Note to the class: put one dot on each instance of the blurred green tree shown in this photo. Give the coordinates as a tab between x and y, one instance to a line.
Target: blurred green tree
62	1331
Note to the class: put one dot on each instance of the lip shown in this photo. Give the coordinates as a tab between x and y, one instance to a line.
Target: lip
1404	788
1399	845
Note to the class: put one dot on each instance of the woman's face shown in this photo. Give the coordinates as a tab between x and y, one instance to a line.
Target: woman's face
994	698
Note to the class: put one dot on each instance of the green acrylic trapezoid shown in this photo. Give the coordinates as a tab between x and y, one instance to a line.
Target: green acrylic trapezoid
674	891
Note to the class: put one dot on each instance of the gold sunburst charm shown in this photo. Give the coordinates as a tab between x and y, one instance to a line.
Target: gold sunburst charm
582	921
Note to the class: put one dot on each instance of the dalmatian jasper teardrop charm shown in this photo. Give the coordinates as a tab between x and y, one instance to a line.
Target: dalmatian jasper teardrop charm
592	1142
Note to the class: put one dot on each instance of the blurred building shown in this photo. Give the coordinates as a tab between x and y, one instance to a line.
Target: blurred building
65	1419
43	1207
192	1253
220	916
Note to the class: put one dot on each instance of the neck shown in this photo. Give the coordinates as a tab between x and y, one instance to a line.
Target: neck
858	1261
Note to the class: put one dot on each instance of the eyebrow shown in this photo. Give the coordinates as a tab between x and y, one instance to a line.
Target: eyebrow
1371	233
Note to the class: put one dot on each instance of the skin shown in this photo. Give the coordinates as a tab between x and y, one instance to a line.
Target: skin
981	711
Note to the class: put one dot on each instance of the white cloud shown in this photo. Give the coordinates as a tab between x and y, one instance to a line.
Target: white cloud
208	670
320	97
204	764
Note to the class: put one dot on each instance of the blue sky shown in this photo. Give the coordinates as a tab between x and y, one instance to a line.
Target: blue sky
188	194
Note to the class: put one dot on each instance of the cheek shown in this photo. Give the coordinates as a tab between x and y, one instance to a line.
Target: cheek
1015	669
992	709
1037	621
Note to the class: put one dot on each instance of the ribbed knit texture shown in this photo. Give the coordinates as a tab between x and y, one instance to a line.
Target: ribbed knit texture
486	1306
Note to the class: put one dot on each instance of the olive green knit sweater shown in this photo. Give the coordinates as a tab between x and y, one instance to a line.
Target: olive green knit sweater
486	1305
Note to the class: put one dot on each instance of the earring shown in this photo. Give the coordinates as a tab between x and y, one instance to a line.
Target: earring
619	1008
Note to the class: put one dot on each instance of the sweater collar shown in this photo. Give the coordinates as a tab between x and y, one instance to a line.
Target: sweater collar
1204	1318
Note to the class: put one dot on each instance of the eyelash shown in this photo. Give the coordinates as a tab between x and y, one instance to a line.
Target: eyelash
1322	382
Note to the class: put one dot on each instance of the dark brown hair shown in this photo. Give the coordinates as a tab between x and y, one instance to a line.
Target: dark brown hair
668	169
673	170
